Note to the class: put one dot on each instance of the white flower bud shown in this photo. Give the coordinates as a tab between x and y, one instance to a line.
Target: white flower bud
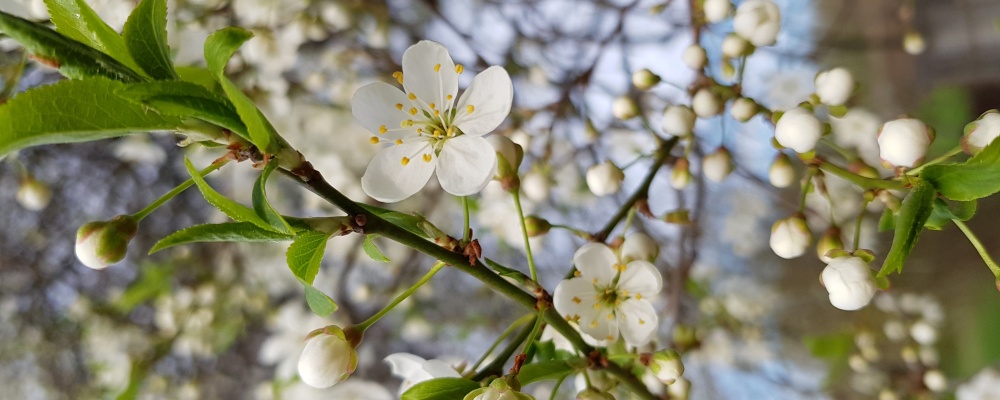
706	103
935	380
535	186
680	176
849	281
639	246
913	43
904	142
834	87
328	358
790	237
102	243
604	178
717	10
624	108
743	109
33	194
798	129
680	388
667	366
981	132
718	165
781	174
758	21
734	46
923	333
695	57
678	120
644	79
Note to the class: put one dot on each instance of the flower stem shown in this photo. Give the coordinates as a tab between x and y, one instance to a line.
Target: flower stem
979	247
530	342
524	234
857	225
510	329
944	157
175	191
863	182
402	296
641	193
466	233
495	367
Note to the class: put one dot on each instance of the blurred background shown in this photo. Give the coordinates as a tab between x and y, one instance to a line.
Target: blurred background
226	321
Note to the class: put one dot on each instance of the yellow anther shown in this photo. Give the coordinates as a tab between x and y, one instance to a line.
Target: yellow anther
449	97
576	273
437	113
642	321
470	109
404	160
413	111
399	141
610	317
597	306
420	131
594	281
451	131
438	133
638	296
411	96
399	77
609	338
382	129
373	140
576	300
437	68
427	158
459	68
620	267
399	106
593	324
433	106
608	291
409	122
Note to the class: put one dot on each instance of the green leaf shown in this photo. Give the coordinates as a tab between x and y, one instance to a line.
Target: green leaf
198	75
837	346
224	232
913	213
76	20
373	250
440	389
305	255
263	207
145	36
74	59
944	212
887	221
545	370
977	178
230	207
74	111
189	100
403	220
219	48
320	304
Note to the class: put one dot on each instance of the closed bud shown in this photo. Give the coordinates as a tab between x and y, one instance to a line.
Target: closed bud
695	57
33	195
828	242
593	394
790	237
639	246
913	43
717	10
666	365
734	46
604	178
680	176
536	226
706	103
678	120
743	109
782	173
981	132
535	186
102	243
904	142
509	156
758	21
328	358
849	281
645	79
798	129
499	389
624	108
717	165
680	389
834	87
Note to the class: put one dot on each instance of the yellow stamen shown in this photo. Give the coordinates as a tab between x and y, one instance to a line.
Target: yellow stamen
411	96
470	109
610	317
399	76
399	106
576	300
449	97
437	68
427	158
404	160
597	306
432	106
593	324
638	296
610	338
459	68
382	129
399	141
420	131
373	140
642	321
438	133
595	281
451	131
413	111
576	273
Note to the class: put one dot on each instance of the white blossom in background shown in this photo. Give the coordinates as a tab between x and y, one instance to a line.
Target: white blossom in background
639	246
694	57
644	79
33	195
835	86
678	120
282	348
981	132
858	130
717	165
623	107
790	237
604	178
734	46
904	142
935	380
413	369
139	149
782	173
706	103
914	43
982	386
849	281
717	10
267	13
743	109
758	21
798	129
429	130
609	298
535	186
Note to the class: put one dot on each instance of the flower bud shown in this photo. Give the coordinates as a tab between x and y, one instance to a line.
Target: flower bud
922	332
102	243
904	142
790	237
734	46
328	358
499	389
624	108
849	281
743	109
798	129
639	246
535	186
680	176
717	10
34	195
509	156
829	241
717	165
913	43
695	57
781	174
667	366
593	394
536	226
758	21
680	389
981	132
706	103
604	178
645	79
678	120
834	87
935	380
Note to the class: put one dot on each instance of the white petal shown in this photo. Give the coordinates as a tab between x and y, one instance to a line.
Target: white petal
637	320
596	261
420	77
490	94
406	365
374	106
440	369
641	277
388	180
601	324
466	164
574	296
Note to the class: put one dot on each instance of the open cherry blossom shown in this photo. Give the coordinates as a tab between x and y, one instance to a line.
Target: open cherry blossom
609	298
430	127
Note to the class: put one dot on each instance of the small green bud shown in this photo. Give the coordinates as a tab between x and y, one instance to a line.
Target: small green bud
829	241
102	243
536	226
666	365
593	394
645	79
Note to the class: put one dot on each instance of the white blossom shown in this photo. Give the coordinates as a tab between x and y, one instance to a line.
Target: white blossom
743	109
414	369
706	103
790	237
535	186
904	142
935	380
858	130
429	127
328	358
667	366
678	120
981	132
982	386
718	165
624	108
734	46
798	129
914	43
834	87
604	178
758	21
849	281
639	246
694	57
717	10
781	174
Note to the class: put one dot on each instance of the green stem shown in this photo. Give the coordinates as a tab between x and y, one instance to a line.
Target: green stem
863	182
578	232
529	344
979	247
495	367
466	234
524	234
857	225
402	296
944	157
176	191
555	389
520	321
